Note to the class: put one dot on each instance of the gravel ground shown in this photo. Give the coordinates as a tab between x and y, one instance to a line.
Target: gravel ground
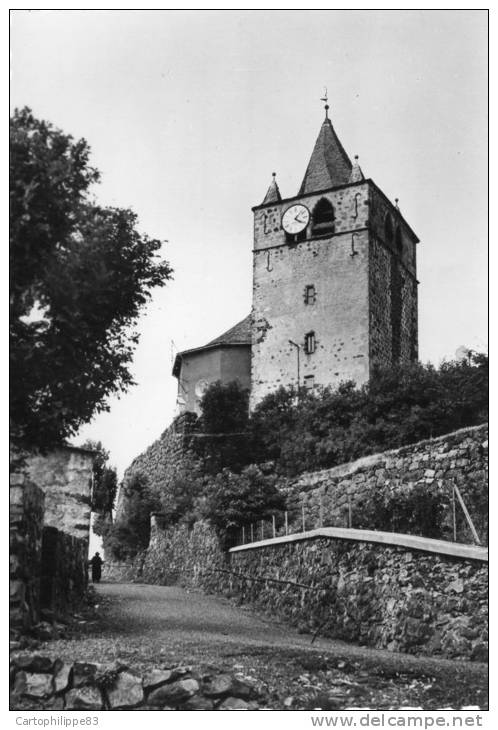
147	626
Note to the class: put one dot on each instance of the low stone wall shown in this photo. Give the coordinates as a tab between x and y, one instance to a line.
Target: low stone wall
65	475
460	457
26	525
381	595
64	572
40	682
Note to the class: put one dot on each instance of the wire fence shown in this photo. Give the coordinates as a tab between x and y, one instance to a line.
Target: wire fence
303	518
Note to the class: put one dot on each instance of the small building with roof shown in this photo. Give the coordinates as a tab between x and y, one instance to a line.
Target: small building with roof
226	358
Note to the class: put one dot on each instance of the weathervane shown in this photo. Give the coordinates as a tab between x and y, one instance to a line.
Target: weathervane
325	98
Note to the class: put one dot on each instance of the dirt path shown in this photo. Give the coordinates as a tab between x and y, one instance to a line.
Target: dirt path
147	625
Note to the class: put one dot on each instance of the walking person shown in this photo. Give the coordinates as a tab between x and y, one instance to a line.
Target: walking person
96	563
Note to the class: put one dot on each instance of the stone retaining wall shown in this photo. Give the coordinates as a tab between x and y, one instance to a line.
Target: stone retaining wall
380	595
160	462
459	458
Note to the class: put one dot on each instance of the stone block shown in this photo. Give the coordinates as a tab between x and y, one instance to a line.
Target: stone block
62	675
38	686
32	662
84	698
156	677
233	703
84	673
127	691
173	694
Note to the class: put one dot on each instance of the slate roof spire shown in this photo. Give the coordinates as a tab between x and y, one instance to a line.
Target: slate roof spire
273	193
356	173
329	165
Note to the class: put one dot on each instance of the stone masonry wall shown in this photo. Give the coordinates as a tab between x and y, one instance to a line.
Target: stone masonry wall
159	463
375	594
459	458
175	556
26	525
65	475
64	571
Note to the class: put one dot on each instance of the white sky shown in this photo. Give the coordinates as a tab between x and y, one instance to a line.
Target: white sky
189	112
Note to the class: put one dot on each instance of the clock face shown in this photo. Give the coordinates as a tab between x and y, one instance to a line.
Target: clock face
295	219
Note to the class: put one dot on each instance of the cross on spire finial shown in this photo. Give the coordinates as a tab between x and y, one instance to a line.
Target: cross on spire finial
325	98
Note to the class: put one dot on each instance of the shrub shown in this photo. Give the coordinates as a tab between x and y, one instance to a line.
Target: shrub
232	500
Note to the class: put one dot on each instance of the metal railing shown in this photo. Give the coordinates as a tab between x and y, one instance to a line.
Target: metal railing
301	518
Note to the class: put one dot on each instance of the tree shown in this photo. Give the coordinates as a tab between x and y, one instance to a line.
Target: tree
80	276
105	481
126	537
224	422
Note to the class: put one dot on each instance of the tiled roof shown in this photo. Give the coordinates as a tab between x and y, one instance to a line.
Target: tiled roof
329	164
239	334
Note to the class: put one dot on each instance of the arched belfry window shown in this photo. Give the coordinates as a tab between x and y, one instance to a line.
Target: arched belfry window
388	230
323	218
398	241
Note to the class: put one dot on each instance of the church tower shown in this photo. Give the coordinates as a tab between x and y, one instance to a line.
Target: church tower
334	278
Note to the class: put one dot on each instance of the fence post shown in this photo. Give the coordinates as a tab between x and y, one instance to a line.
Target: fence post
321	509
304	522
243	535
350	512
273	523
262	530
286	523
467	515
454	513
252	532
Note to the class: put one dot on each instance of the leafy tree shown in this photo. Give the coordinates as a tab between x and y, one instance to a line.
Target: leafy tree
126	537
80	275
224	441
105	481
224	408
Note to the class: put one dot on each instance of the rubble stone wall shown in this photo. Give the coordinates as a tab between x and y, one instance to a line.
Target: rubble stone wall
64	571
159	463
26	526
44	682
381	595
459	458
65	475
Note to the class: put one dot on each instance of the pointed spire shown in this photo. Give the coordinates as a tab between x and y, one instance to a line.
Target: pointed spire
273	193
329	165
356	173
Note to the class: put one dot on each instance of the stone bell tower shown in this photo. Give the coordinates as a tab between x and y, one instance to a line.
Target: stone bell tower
334	278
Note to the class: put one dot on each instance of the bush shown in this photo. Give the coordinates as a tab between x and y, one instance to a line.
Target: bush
232	500
397	407
413	510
